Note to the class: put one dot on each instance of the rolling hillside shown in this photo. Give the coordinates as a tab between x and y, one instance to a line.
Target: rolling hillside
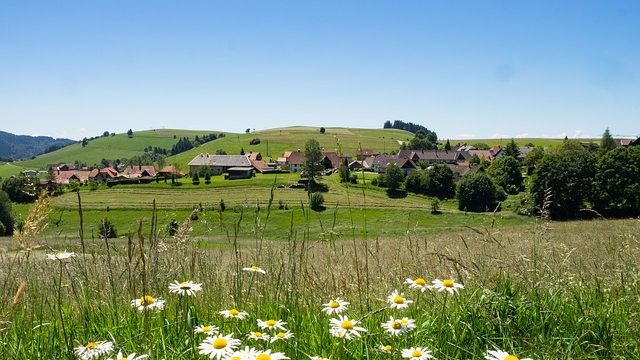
25	146
112	147
293	138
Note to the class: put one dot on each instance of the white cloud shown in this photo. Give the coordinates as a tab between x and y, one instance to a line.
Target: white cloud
464	136
500	136
524	135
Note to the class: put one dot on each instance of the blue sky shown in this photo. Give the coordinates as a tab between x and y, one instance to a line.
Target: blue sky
462	68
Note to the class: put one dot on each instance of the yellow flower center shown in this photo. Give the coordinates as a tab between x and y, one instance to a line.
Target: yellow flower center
147	300
263	356
398	299
220	343
347	325
280	335
511	357
420	281
92	345
254	267
447	283
184	286
258	334
271	322
183	283
388	348
334	304
235	358
396	325
416	353
206	329
234	312
123	358
404	322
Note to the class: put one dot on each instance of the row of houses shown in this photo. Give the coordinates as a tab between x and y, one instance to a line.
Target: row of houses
64	174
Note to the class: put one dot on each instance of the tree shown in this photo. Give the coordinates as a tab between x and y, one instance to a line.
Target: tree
21	189
247	131
421	141
439	182
317	201
607	143
562	181
312	165
617	182
476	193
532	158
474	160
6	215
107	229
105	134
393	177
130	133
322	130
387	124
221	152
85	142
506	173
512	149
447	146
241	151
345	173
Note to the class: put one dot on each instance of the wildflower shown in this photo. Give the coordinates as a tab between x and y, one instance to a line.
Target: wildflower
397	326
387	349
131	356
93	349
345	328
248	353
419	283
233	313
217	347
185	288
147	302
61	255
257	335
206	329
317	358
501	355
255	268
272	324
335	306
397	300
281	336
417	353
447	284
267	355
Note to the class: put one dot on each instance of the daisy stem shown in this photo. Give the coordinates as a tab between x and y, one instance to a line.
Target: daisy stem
64	330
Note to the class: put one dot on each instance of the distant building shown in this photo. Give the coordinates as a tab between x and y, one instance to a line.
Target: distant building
292	159
218	164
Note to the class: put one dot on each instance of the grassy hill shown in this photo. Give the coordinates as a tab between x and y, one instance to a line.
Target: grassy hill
112	147
293	138
544	142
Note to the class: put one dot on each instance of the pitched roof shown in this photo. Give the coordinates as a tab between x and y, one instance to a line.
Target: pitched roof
220	160
333	157
133	171
170	169
429	155
294	157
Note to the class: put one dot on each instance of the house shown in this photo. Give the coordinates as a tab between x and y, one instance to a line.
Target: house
482	154
104	174
496	152
82	176
63	177
355	165
292	159
140	171
239	172
30	173
434	156
218	164
635	142
331	160
361	154
170	171
524	150
462	169
255	158
382	161
367	163
626	142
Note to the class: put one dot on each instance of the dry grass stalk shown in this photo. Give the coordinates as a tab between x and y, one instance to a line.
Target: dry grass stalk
36	221
19	293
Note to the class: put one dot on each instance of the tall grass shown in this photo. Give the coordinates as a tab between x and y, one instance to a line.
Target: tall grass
551	291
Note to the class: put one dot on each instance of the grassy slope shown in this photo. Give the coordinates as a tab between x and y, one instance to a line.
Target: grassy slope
544	142
112	147
292	138
8	169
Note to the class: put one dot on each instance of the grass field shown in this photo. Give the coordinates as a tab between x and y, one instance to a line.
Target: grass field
10	169
565	290
112	147
544	142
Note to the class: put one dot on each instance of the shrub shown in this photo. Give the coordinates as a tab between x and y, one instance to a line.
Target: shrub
172	227
476	193
317	201
222	206
195	179
254	141
207	179
435	206
107	230
6	215
282	205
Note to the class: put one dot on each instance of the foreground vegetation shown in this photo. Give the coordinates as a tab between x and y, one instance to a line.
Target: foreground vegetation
542	290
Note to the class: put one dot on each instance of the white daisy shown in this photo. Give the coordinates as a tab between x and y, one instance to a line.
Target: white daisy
447	284
257	335
501	355
335	306
93	349
272	324
396	327
248	353
61	255
217	347
185	288
317	358
419	283
345	328
387	349
131	356
233	313
417	353
397	300
147	302
206	329
255	268
281	336
268	355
